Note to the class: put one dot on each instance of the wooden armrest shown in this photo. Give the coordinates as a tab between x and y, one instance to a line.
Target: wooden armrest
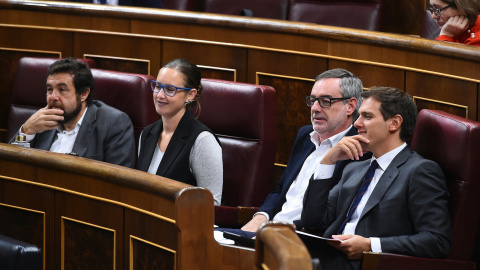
380	261
279	247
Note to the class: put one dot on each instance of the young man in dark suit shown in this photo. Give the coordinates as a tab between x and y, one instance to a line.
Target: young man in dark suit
395	202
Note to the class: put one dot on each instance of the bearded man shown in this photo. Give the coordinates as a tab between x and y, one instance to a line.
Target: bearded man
73	123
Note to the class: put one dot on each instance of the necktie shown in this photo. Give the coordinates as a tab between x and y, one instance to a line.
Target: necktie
103	2
358	197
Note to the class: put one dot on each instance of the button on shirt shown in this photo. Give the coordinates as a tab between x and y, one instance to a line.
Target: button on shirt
292	208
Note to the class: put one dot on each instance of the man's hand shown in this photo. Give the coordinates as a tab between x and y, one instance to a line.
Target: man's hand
346	148
353	245
254	224
455	26
43	119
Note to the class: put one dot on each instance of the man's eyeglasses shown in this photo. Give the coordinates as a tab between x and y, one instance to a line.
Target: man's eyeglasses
169	90
325	102
438	11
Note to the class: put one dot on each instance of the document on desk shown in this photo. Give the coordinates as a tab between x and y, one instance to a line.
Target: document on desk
304	235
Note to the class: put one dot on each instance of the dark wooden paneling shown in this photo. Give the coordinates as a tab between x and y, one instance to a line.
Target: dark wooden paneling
8	65
284	63
147	256
113	46
137	66
439	89
93	213
372	75
86	246
39	229
292	111
207	55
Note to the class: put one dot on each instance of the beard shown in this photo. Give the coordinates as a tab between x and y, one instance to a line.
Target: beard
68	116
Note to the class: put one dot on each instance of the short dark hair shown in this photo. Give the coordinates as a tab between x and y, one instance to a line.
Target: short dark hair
395	101
192	76
350	86
82	75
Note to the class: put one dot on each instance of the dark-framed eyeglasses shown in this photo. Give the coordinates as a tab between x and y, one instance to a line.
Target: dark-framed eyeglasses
169	90
324	102
438	11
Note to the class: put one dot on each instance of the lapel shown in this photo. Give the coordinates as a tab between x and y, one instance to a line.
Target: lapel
147	150
386	180
86	131
177	143
45	139
351	186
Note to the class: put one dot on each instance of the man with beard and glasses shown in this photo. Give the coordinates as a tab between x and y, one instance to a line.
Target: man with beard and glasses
74	123
334	101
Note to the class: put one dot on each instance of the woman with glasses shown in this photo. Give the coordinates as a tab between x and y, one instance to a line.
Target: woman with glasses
457	19
178	146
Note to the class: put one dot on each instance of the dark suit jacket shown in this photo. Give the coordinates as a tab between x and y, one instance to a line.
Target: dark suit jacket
407	210
302	148
106	134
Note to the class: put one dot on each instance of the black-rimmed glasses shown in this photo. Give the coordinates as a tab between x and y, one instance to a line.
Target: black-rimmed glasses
324	102
438	11
169	90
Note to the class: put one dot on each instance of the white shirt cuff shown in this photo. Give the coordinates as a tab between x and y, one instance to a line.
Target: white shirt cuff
375	244
262	213
28	138
324	171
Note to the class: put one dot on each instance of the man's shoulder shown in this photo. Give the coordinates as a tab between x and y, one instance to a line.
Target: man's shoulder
102	107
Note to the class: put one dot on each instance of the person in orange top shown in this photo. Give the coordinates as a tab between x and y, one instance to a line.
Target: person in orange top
457	19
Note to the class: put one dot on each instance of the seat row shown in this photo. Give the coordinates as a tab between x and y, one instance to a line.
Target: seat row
241	115
375	15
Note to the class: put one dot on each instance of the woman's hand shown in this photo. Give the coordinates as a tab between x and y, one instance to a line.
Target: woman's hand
455	26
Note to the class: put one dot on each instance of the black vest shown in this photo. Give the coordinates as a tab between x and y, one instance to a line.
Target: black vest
175	163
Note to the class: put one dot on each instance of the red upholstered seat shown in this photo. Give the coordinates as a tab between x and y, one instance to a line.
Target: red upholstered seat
454	143
190	5
127	92
358	14
243	117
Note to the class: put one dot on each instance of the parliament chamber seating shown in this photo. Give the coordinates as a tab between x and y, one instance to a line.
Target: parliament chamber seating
359	14
129	93
454	143
243	117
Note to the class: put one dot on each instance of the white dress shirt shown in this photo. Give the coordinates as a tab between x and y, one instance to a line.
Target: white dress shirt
292	208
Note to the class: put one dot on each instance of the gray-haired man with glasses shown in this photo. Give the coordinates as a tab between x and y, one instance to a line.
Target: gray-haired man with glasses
334	102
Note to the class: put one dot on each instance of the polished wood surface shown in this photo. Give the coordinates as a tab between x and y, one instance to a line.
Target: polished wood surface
93	215
286	55
279	247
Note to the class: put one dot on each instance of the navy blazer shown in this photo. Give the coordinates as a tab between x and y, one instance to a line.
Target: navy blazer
106	134
407	210
302	148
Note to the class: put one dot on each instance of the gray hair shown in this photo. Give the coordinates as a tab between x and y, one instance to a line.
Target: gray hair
350	86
